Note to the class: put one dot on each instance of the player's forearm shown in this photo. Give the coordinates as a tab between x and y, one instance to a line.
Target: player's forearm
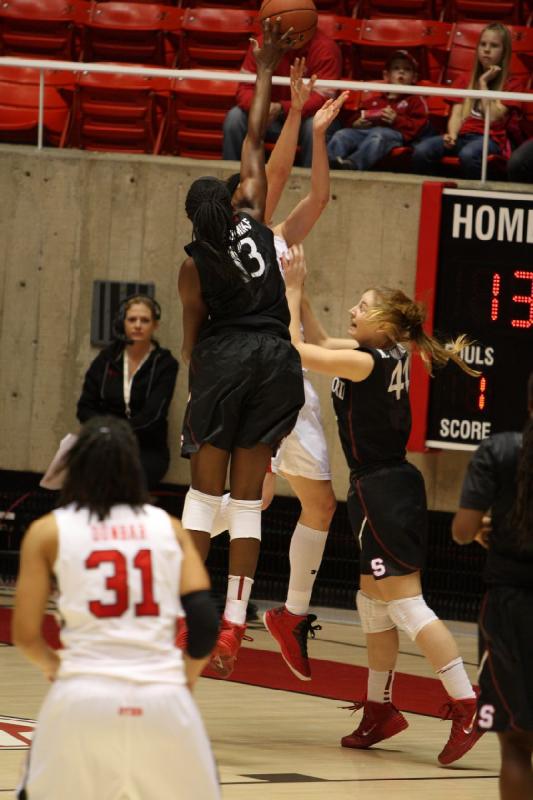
294	299
193	668
320	187
281	159
258	114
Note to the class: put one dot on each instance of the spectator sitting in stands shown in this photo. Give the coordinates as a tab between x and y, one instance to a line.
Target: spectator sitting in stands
323	59
384	121
466	123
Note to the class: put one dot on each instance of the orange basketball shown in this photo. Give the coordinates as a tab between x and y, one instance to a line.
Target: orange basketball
300	15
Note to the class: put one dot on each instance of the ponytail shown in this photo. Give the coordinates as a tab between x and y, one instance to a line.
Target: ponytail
402	319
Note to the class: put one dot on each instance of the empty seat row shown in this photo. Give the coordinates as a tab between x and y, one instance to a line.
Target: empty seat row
510	11
214	39
136	114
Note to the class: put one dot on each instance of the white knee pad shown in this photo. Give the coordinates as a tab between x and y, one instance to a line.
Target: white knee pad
200	511
374	614
411	614
244	518
221	522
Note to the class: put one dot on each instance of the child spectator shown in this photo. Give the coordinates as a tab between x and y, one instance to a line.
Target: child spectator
466	123
384	121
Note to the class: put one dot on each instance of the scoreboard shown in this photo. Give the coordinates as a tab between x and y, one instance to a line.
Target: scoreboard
475	272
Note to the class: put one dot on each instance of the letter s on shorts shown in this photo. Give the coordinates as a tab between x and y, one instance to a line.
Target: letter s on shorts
378	567
486	717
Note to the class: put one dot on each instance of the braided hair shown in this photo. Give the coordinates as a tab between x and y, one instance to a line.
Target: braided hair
104	468
208	206
522	512
402	320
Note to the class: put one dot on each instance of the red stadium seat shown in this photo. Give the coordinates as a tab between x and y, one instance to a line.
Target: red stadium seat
131	32
252	5
464	45
196	114
19	104
118	112
507	11
410	9
216	40
43	28
346	32
428	42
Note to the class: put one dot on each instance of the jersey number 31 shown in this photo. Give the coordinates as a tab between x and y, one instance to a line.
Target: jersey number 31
119	583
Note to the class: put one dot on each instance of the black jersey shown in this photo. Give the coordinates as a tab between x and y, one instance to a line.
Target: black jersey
490	482
256	300
374	415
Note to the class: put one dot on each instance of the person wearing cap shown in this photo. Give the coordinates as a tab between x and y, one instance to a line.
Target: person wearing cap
383	121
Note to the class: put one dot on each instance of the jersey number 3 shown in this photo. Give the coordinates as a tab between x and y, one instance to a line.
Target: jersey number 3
118	582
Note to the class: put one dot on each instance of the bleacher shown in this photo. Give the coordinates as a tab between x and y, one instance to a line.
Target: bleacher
139	114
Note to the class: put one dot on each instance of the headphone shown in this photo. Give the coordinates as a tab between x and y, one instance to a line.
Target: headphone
120	316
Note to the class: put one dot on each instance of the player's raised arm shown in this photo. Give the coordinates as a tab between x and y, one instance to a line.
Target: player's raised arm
300	221
251	195
282	156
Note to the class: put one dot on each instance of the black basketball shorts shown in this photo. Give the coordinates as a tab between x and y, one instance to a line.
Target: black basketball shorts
388	514
246	388
505	702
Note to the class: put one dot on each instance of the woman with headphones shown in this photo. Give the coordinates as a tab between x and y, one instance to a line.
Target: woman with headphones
134	379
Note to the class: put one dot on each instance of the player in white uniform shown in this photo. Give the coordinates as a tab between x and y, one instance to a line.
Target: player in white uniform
119	722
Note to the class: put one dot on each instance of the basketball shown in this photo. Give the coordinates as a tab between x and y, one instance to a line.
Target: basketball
300	15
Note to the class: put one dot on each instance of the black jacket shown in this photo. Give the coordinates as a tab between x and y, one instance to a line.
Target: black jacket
151	392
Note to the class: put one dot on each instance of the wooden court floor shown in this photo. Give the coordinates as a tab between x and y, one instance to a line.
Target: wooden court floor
273	744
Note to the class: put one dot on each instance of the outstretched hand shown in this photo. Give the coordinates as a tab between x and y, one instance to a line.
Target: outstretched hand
294	267
328	112
275	44
300	91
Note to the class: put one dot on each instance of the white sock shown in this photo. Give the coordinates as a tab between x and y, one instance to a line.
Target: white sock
379	686
239	589
305	556
455	680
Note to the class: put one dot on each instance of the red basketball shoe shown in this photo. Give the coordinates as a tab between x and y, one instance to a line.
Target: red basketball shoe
225	653
464	733
290	631
181	633
380	721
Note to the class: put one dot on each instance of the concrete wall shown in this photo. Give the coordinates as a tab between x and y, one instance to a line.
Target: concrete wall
69	217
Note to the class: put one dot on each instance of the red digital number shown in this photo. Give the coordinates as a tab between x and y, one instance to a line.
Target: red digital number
482	399
495	304
517	298
118	583
524	323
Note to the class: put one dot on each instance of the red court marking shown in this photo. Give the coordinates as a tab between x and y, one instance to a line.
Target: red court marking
334	680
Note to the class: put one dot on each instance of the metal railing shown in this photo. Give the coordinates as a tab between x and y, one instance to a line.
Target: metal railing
244	77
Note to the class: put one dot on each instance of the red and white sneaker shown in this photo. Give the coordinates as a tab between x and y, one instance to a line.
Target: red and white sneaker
225	653
291	631
464	733
380	721
181	633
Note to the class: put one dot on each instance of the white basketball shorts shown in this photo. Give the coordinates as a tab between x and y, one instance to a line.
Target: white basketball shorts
304	453
108	739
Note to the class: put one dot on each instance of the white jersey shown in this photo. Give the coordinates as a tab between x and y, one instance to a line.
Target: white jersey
119	594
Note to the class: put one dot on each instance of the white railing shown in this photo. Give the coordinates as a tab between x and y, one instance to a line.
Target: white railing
244	77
